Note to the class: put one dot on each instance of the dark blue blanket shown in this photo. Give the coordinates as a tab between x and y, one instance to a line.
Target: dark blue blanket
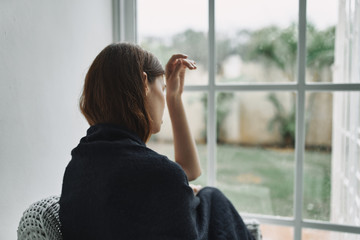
116	188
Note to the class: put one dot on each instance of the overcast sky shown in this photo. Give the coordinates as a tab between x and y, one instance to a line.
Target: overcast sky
167	17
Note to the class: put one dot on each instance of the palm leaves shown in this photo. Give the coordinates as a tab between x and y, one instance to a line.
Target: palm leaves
285	120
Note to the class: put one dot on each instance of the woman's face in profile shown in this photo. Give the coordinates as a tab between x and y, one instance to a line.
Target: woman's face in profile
156	100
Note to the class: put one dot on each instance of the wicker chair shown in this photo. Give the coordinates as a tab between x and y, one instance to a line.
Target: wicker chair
41	222
254	227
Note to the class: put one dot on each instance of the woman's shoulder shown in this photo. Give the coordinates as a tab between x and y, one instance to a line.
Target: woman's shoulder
163	162
123	153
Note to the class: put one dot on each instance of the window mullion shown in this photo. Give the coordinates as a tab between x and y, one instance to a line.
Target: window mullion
211	125
300	121
324	87
116	21
124	21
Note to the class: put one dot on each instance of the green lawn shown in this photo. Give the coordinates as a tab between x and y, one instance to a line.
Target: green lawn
259	180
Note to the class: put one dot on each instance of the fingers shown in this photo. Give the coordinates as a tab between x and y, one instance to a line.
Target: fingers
189	63
174	57
196	188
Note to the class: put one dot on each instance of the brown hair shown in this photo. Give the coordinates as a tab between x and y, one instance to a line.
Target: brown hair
114	89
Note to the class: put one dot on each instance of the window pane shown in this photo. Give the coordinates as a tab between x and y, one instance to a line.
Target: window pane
272	232
255	150
333	41
256	44
163	29
320	40
195	107
315	234
331	191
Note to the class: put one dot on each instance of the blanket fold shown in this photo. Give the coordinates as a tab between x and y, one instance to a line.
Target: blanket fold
115	187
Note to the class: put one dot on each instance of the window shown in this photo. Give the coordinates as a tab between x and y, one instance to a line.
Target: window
274	105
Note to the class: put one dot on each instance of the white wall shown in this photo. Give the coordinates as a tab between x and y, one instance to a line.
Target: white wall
45	50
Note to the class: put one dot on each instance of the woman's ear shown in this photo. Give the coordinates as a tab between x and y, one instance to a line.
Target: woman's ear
146	83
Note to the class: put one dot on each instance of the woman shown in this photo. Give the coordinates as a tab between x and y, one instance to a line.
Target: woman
115	187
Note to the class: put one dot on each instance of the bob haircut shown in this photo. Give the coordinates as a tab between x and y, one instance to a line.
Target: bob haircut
114	88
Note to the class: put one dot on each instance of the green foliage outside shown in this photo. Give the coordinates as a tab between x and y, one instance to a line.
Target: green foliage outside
273	47
285	120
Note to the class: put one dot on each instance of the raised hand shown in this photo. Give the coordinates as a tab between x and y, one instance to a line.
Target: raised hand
175	74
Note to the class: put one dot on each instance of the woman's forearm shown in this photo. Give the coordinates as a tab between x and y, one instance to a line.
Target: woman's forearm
185	149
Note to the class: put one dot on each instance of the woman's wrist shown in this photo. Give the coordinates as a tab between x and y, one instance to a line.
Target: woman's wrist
175	106
173	99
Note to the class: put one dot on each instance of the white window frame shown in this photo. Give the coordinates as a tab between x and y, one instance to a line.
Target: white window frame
125	29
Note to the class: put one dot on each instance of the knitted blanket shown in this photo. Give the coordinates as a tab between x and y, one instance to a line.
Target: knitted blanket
115	187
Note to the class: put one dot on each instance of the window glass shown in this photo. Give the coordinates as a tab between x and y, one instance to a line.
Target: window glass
331	157
270	232
315	234
320	39
168	27
256	41
255	150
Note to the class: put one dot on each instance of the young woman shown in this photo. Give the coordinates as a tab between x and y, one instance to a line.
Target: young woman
115	187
